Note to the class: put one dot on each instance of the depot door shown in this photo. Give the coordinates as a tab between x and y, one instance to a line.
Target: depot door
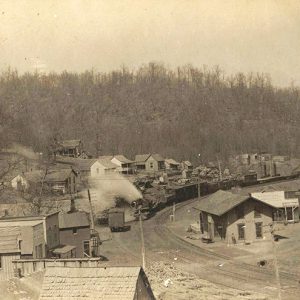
289	214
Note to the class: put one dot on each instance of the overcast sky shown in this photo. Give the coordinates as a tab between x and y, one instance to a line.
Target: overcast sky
74	35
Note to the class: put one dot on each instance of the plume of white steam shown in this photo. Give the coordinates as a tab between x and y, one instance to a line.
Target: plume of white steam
22	150
104	189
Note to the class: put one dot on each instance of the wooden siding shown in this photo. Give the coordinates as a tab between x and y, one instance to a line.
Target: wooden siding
7	266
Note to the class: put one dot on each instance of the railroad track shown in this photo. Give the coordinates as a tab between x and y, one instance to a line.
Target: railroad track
233	272
166	233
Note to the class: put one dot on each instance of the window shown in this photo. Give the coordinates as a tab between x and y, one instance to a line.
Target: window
241	231
151	165
239	210
0	262
74	230
97	170
258	230
257	212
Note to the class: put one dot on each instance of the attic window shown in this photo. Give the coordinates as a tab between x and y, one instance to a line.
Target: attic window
74	230
257	212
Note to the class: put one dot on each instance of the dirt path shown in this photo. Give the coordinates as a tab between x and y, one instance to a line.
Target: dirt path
219	270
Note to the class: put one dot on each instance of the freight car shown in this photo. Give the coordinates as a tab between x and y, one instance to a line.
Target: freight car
116	219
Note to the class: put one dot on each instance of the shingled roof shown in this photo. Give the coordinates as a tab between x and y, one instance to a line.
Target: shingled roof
220	202
79	164
51	176
73	220
144	157
123	159
141	157
107	164
109	283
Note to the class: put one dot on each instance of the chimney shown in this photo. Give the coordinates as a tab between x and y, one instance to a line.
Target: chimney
72	206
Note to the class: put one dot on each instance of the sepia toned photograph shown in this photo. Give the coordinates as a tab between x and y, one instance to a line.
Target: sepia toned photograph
149	149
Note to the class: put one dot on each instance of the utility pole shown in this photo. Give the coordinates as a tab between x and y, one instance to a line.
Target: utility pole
219	165
275	263
199	186
142	241
199	155
91	212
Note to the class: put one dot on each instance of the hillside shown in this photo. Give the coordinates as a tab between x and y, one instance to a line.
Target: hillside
178	113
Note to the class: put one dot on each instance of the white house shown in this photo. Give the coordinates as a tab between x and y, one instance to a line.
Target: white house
107	166
125	166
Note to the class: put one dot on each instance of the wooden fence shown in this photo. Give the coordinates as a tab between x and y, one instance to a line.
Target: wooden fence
25	267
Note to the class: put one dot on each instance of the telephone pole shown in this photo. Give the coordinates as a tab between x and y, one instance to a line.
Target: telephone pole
142	241
275	263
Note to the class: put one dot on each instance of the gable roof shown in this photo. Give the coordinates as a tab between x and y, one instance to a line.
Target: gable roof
220	202
58	175
171	161
157	157
73	219
51	176
9	237
123	159
85	164
142	157
108	283
108	157
79	164
275	199
107	164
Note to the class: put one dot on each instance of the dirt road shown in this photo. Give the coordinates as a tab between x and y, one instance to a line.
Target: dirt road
161	245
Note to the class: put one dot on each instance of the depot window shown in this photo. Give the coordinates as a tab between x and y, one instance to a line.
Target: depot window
258	230
241	231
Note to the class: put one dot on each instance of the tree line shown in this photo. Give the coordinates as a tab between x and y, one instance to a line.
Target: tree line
176	112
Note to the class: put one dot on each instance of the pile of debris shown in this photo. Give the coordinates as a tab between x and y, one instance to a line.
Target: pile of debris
168	282
207	173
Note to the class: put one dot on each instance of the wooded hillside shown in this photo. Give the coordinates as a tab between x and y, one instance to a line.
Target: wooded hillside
178	113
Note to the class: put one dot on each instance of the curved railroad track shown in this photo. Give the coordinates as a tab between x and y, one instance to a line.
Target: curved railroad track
162	244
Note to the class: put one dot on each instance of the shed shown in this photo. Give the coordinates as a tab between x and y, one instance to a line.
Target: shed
107	283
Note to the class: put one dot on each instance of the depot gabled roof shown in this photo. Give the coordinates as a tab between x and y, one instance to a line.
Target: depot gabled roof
221	202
